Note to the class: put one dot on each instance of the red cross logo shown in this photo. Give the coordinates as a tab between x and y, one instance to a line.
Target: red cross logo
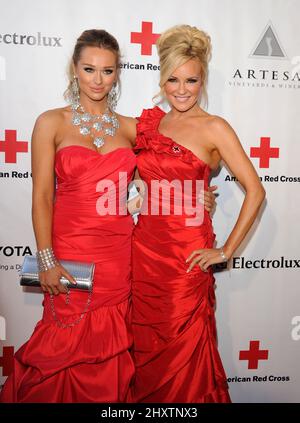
146	38
264	152
10	146
7	361
254	354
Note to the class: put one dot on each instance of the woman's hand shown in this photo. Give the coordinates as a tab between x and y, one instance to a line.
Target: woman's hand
50	280
208	198
206	257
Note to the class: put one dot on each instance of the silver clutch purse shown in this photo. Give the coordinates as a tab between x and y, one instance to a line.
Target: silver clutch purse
82	272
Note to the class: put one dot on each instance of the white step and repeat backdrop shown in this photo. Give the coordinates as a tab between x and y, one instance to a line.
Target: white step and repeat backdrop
254	83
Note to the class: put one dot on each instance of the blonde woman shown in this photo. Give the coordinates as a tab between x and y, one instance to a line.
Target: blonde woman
175	349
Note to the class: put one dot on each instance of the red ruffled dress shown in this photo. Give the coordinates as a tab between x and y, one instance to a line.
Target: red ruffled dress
175	347
89	362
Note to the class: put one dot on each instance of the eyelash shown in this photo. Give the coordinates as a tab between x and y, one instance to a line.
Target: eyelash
106	71
88	69
192	81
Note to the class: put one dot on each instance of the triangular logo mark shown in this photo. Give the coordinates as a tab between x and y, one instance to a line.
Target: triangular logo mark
268	45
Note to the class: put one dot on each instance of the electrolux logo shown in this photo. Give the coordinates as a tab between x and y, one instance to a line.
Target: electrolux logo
278	263
31	40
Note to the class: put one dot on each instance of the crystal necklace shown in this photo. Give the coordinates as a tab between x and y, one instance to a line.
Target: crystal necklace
97	126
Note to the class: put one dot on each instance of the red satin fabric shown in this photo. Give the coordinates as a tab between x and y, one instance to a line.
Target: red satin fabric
89	362
175	349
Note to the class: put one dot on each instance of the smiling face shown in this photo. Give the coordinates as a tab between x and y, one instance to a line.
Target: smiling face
183	87
96	71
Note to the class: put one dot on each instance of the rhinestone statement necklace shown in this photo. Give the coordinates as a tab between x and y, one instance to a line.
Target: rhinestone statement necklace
97	126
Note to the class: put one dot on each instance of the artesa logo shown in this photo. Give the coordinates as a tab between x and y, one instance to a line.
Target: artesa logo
264	152
268	45
10	146
146	38
254	354
268	74
7	361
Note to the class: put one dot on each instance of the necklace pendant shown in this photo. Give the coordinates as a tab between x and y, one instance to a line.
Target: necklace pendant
115	122
99	142
84	130
97	126
110	131
75	106
76	119
86	117
90	124
106	118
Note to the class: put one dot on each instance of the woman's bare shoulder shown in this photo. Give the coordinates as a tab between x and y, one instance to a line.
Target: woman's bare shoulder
128	124
52	115
127	120
216	123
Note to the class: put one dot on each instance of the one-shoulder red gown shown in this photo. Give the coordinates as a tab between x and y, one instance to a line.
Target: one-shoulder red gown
89	362
175	349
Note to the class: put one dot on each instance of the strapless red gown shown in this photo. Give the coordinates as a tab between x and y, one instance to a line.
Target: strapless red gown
89	362
175	349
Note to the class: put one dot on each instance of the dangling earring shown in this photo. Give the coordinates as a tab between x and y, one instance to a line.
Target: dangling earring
112	98
75	90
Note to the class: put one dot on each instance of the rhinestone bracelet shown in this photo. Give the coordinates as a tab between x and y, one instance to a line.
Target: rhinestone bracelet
223	255
46	259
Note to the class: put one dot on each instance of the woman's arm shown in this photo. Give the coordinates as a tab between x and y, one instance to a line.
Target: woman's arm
233	154
43	180
134	204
